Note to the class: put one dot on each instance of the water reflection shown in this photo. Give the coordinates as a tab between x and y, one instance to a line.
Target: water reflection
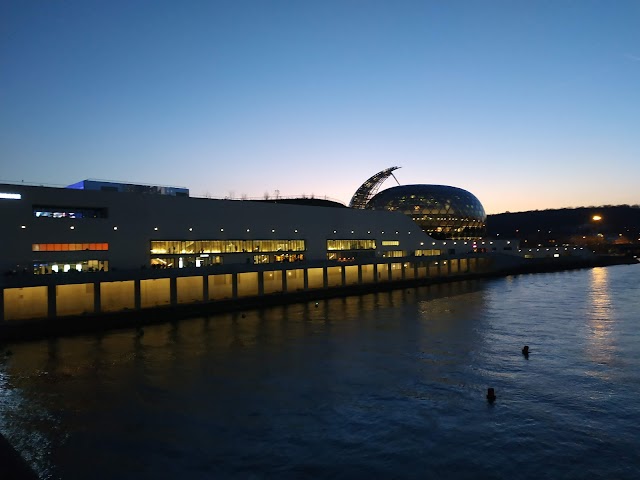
600	319
116	392
372	385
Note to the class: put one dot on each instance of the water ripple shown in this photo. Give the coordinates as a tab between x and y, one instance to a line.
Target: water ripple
387	385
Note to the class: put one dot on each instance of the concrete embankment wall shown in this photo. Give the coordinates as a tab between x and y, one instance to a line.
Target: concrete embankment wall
46	304
70	304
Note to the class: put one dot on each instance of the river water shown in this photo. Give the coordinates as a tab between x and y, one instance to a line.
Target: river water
385	385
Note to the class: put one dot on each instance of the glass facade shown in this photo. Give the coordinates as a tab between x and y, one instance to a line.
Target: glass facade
203	253
225	246
179	261
45	267
68	247
441	211
348	250
390	243
394	254
429	252
50	211
351	244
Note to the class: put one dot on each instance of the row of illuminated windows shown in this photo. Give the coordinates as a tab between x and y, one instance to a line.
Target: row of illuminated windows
342	256
68	247
279	258
351	244
394	254
43	268
206	260
49	211
225	246
390	243
422	253
186	262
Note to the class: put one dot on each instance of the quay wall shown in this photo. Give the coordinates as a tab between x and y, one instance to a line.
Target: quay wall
54	302
39	305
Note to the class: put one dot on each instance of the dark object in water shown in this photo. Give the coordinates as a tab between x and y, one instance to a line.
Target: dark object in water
491	395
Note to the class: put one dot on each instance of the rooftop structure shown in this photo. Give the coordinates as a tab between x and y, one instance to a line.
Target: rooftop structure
369	188
109	186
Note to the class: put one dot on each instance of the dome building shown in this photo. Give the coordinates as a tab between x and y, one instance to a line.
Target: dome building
441	211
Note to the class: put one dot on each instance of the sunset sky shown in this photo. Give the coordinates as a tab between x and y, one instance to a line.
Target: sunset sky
526	104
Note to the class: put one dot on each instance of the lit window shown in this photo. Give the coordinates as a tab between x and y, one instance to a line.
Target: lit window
10	196
68	247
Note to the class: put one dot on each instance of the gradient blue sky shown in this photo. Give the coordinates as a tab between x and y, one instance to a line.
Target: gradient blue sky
527	104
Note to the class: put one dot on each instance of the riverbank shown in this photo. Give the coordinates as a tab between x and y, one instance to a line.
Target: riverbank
546	265
90	323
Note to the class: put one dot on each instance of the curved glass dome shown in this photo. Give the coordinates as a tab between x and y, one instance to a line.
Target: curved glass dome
441	211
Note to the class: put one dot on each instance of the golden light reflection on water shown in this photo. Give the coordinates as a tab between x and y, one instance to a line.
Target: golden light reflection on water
600	323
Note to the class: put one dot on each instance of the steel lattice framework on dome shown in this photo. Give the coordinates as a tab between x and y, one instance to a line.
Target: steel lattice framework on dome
369	188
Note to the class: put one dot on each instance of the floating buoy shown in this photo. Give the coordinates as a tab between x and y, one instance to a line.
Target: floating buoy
491	394
525	350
